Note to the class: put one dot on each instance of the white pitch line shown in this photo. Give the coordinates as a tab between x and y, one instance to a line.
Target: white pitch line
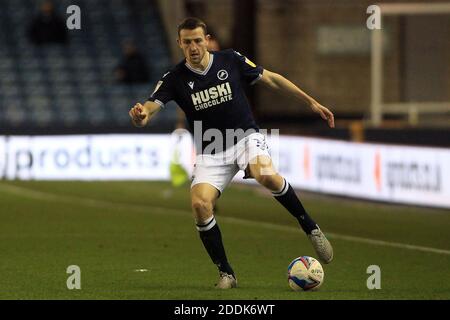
388	243
40	195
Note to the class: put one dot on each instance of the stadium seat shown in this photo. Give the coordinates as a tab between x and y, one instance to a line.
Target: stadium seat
64	84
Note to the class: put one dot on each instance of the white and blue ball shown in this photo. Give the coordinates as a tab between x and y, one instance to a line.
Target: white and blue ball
305	273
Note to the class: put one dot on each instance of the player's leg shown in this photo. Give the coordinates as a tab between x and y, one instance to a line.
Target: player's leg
261	168
208	183
255	159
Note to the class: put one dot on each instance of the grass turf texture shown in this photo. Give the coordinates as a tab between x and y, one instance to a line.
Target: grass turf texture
111	229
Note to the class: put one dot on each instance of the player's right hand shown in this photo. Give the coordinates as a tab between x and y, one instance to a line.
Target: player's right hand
138	115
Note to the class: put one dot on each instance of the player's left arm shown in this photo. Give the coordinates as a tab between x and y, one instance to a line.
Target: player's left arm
279	83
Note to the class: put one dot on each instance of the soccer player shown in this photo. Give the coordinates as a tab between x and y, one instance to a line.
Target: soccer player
208	86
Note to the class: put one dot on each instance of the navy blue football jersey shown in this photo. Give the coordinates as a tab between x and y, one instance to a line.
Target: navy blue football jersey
214	96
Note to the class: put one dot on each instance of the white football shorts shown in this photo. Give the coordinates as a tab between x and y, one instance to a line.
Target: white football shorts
219	169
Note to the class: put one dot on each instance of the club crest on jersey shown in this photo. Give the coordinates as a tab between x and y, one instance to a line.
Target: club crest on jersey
222	74
191	84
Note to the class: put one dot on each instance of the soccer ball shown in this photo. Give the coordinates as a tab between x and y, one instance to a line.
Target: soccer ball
305	273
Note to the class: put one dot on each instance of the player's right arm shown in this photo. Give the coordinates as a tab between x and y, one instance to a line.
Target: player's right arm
163	93
141	114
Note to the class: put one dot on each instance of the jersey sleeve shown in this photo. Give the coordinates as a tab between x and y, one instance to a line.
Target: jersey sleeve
163	91
250	72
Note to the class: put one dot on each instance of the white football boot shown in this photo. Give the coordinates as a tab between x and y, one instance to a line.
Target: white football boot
226	281
321	245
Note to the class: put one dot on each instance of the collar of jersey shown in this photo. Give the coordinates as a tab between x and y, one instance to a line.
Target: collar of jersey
211	58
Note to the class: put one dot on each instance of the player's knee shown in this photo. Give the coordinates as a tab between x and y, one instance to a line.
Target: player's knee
269	180
201	206
202	209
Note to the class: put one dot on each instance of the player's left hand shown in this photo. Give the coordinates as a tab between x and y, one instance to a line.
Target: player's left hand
323	112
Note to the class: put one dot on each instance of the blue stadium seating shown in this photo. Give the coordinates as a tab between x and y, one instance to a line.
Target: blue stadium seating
73	85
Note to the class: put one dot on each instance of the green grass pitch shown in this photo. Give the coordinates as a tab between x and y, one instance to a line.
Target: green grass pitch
112	229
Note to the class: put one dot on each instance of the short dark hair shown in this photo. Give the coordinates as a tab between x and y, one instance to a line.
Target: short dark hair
192	23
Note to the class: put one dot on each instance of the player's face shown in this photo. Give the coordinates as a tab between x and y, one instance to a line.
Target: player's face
194	44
